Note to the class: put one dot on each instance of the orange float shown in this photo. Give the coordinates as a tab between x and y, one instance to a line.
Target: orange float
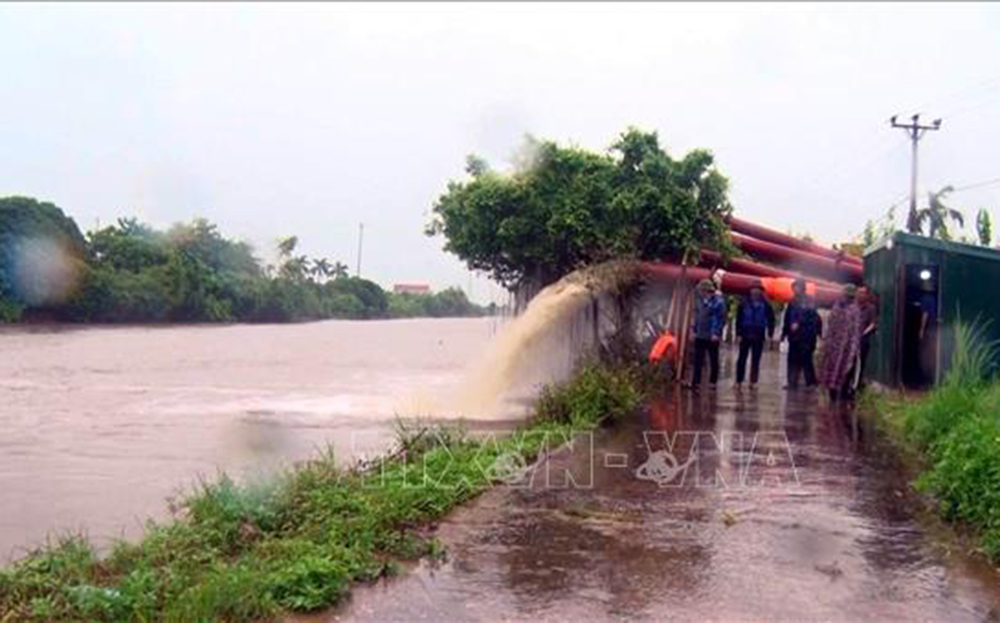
664	347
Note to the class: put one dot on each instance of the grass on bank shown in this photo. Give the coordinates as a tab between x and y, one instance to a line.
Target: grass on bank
955	430
250	552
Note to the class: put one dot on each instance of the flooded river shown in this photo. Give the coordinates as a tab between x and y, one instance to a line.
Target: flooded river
101	425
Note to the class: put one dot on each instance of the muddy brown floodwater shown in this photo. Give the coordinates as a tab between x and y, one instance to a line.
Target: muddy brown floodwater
786	511
99	425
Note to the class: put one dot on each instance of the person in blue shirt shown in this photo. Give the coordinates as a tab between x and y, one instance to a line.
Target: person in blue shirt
709	320
754	324
802	327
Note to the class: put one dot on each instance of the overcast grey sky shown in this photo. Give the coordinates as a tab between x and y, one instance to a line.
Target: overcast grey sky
307	119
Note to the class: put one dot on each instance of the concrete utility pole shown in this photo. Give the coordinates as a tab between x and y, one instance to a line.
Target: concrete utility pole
916	132
361	240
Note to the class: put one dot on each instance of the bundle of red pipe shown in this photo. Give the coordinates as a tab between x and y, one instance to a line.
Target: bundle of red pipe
826	270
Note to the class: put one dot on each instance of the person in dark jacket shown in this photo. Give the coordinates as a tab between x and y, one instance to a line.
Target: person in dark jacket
801	327
754	324
869	326
709	320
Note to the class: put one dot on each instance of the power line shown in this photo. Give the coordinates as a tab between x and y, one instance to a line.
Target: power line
880	150
995	180
984	86
978	105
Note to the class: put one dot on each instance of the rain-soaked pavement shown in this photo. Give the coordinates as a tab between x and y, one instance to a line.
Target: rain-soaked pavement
786	511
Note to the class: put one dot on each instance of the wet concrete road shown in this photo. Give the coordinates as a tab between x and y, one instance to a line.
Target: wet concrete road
725	507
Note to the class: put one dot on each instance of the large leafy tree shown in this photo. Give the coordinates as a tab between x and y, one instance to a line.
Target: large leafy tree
202	240
128	245
562	208
25	225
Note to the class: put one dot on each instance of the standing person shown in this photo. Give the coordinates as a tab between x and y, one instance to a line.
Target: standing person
927	335
812	329
842	345
869	325
709	320
754	324
801	327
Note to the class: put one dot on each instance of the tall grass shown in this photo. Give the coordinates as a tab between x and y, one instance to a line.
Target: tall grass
975	358
250	552
957	428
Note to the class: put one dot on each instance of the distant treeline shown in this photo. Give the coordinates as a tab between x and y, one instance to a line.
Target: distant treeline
131	272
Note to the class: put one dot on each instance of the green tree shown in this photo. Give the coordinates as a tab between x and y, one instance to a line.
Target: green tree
292	267
984	227
564	208
131	272
374	301
127	246
202	240
321	269
339	270
30	231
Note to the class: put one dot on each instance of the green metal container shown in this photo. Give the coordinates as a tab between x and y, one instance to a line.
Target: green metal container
923	281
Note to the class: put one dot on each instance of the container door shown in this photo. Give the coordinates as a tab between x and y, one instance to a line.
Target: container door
920	325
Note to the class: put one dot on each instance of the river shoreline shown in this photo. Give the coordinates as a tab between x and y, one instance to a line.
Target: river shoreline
244	552
103	423
57	324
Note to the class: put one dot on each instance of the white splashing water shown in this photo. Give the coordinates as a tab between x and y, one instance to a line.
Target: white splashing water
540	346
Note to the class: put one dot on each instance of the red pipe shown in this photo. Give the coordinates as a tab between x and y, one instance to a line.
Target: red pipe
732	283
809	263
711	259
776	237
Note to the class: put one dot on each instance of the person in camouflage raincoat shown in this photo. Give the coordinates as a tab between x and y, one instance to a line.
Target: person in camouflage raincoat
842	345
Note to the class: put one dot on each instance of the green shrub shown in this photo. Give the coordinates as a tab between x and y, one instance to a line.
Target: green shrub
957	427
594	392
309	583
227	593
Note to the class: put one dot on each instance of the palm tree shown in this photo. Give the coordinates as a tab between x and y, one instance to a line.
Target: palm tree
295	268
339	270
937	215
321	268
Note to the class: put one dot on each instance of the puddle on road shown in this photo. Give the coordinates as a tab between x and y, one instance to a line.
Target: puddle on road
786	511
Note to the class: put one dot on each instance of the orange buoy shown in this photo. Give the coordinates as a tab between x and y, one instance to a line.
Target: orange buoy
665	346
779	289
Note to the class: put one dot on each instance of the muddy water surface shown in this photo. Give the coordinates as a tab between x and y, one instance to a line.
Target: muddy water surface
99	425
787	510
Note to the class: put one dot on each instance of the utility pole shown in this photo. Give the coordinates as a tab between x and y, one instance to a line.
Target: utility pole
361	240
915	132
